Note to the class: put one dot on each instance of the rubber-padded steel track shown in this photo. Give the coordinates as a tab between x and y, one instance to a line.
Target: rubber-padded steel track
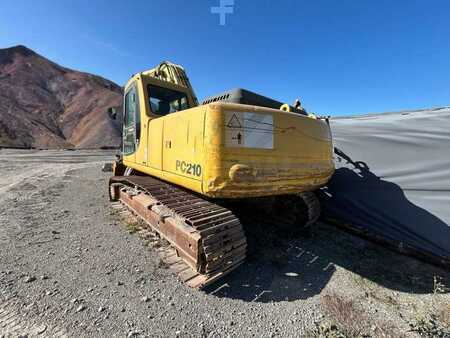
207	237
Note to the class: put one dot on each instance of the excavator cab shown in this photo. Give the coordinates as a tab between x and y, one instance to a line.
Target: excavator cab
150	95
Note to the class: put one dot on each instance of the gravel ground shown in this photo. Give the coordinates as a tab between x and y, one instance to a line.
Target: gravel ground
69	267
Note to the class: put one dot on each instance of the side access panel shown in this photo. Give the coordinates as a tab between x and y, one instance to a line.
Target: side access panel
182	147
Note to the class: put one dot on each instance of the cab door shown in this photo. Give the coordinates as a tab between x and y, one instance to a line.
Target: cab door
155	142
131	124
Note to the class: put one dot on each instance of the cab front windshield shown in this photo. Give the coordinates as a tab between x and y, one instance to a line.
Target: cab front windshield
164	101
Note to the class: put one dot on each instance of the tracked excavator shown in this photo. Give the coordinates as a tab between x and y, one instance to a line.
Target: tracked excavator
188	169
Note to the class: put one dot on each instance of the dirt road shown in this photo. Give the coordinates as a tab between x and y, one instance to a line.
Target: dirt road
70	267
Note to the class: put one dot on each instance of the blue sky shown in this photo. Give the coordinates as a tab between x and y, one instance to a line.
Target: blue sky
340	57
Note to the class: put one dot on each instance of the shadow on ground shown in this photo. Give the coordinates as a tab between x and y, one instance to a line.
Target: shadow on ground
286	268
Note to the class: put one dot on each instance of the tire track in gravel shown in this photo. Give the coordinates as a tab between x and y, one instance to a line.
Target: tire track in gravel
27	194
12	324
30	193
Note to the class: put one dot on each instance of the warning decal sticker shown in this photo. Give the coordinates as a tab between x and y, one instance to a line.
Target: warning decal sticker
249	130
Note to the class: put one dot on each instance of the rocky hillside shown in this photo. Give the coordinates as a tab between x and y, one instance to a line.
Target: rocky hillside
44	105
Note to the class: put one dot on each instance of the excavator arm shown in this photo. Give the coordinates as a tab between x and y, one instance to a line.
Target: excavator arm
173	73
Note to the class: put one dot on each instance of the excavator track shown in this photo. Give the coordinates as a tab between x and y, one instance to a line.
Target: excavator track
208	240
293	212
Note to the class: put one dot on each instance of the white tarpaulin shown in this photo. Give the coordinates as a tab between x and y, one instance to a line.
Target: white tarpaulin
392	178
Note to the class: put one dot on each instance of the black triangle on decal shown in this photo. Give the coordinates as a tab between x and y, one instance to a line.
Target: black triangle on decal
234	122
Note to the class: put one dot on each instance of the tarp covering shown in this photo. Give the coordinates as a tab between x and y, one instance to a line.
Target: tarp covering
392	178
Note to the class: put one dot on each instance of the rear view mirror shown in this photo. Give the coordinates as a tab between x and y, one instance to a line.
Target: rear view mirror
112	112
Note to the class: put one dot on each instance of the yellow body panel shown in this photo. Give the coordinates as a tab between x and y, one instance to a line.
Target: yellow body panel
155	131
300	160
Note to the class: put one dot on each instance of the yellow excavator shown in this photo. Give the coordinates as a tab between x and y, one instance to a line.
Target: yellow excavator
185	168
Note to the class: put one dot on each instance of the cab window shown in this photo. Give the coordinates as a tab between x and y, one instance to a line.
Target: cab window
164	101
130	107
131	121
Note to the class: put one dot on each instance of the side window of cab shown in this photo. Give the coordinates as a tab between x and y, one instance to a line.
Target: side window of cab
131	121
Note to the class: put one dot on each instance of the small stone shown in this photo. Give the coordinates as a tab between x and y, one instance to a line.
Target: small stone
74	300
41	329
177	333
80	308
44	277
119	283
145	299
231	323
291	274
122	309
48	293
101	309
29	279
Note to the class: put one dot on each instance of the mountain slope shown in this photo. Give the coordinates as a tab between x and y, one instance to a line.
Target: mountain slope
44	105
